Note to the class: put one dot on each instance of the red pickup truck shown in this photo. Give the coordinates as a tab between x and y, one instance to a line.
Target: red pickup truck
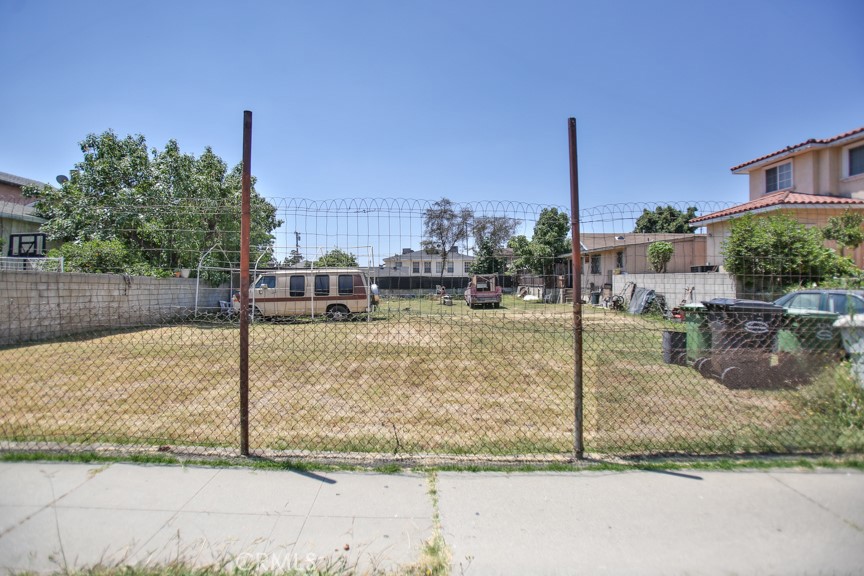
483	291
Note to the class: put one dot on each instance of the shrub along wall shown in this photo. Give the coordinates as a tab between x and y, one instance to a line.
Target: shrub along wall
42	305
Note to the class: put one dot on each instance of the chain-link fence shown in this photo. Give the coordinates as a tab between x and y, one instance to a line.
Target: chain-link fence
415	329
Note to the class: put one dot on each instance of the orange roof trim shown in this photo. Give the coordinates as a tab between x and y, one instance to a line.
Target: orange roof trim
805	144
779	199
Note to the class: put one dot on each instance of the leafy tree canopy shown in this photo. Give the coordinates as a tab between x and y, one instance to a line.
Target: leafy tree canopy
293	259
337	258
548	242
845	230
165	208
445	225
105	256
497	230
774	251
659	255
522	256
486	261
666	220
550	239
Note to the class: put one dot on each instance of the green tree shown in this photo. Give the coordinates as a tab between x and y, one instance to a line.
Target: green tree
774	251
542	252
95	256
666	219
336	258
165	207
659	255
293	259
445	225
486	261
549	240
496	229
523	258
845	230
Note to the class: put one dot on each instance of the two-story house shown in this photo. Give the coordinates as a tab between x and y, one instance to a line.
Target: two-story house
419	269
811	182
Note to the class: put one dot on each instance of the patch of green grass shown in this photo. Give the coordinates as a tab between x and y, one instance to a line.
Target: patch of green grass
592	464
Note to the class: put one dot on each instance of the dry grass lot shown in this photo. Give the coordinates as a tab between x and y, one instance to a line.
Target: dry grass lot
419	378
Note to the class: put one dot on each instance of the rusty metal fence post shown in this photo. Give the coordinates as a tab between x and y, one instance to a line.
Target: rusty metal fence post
578	445
245	225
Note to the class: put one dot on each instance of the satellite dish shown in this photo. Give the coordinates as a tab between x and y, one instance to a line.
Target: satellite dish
61	179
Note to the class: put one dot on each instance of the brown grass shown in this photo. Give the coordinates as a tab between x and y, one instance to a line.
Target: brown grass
409	382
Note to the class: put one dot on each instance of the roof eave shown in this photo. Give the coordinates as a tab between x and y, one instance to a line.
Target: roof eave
773	208
22	217
748	167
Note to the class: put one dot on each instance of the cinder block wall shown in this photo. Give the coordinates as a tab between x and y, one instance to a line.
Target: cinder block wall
42	305
706	286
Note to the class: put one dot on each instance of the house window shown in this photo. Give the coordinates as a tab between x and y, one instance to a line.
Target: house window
439	267
322	285
467	267
595	264
778	178
398	265
415	267
297	286
450	267
856	161
619	260
427	267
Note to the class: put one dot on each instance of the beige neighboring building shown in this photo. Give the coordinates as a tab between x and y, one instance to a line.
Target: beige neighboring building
19	226
811	182
421	263
607	255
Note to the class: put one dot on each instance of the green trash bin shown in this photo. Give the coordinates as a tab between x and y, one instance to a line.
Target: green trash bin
698	333
809	331
806	342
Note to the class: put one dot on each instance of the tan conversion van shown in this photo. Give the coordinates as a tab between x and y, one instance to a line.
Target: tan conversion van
336	293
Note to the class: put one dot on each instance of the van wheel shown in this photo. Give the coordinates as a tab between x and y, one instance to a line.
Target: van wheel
337	313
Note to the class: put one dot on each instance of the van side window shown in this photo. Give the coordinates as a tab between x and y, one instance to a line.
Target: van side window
322	285
268	281
346	284
297	286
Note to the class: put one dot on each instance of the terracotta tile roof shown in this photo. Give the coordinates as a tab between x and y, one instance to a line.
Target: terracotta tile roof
780	199
802	145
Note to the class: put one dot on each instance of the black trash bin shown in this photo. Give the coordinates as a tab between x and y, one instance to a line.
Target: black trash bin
675	347
743	336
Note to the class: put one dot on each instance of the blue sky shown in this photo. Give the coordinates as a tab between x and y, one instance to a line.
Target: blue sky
411	99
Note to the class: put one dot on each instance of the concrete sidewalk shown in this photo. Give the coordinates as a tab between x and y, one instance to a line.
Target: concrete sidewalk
58	516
